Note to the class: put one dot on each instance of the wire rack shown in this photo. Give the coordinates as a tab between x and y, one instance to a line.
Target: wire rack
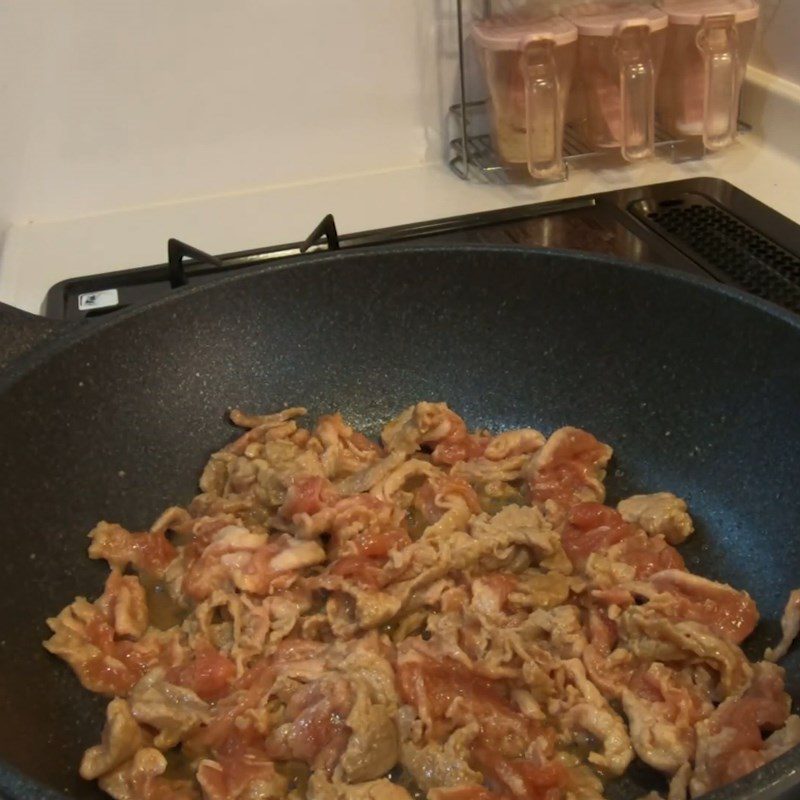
483	163
473	157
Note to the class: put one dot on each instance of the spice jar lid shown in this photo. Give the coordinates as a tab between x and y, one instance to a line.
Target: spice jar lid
605	19
692	12
516	32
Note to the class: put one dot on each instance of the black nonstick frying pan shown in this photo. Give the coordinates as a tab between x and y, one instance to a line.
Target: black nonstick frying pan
696	386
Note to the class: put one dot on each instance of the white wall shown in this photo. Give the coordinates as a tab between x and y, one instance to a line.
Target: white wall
777	49
116	103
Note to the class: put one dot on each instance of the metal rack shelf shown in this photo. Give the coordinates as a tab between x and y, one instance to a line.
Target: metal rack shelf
473	157
484	164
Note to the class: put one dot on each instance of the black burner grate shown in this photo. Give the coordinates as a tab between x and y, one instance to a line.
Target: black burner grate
725	244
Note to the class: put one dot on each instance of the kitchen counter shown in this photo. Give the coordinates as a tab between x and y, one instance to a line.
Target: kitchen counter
39	254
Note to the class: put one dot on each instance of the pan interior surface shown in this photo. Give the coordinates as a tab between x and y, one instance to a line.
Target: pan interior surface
697	390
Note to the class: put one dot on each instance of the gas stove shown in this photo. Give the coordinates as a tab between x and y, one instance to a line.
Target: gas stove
703	226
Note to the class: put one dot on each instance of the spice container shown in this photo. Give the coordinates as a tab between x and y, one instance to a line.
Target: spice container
528	63
708	44
620	48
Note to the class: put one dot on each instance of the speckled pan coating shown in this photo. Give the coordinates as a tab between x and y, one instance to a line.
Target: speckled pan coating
697	387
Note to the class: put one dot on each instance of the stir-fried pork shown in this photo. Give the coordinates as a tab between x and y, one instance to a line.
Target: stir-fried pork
448	614
790	625
660	514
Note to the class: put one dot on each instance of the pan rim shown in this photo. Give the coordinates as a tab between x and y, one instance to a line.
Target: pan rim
571	259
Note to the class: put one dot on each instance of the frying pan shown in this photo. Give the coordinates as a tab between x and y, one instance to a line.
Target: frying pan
695	385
